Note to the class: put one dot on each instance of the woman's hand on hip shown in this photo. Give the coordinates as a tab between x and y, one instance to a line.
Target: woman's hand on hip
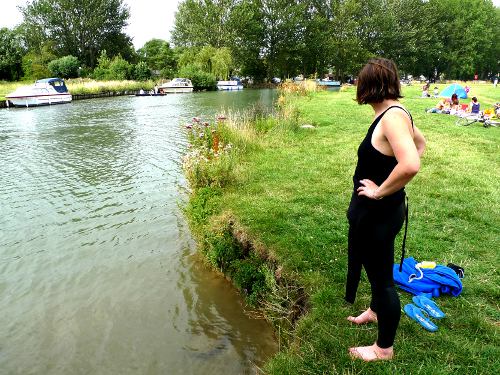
369	189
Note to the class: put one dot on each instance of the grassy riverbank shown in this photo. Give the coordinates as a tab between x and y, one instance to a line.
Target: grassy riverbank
282	191
84	86
8	87
89	86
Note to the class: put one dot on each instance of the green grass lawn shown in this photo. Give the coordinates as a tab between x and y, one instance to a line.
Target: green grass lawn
291	195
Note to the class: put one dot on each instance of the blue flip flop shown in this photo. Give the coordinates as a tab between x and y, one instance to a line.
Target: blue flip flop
420	317
429	306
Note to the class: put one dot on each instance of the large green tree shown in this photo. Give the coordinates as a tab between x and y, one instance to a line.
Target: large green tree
204	22
350	30
406	35
316	54
35	63
286	37
11	52
283	36
469	30
158	55
247	21
78	28
233	24
208	59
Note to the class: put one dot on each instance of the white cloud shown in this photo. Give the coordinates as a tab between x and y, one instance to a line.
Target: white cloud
9	14
151	19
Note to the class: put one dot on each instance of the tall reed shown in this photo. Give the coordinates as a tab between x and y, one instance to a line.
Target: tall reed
89	86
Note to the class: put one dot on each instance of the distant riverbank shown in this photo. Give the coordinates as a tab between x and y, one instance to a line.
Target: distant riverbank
79	86
268	206
85	88
106	94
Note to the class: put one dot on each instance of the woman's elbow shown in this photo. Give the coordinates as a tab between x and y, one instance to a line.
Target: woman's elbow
423	143
420	144
420	149
410	169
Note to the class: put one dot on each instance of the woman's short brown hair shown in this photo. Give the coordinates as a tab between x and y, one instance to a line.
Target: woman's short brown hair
377	81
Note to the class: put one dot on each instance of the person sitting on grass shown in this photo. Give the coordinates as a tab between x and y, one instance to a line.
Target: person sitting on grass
454	104
474	106
488	113
440	106
425	91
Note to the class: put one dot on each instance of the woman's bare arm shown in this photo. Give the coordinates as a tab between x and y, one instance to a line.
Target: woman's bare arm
419	140
407	151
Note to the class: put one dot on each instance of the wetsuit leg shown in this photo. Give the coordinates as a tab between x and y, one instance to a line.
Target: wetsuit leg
377	256
353	265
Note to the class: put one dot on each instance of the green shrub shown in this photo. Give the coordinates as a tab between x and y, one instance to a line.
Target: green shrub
200	79
247	276
142	72
119	69
100	73
34	69
35	63
168	73
210	163
202	171
222	249
65	67
112	69
203	204
101	70
85	72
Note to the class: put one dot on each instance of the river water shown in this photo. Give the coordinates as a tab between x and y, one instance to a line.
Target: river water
98	272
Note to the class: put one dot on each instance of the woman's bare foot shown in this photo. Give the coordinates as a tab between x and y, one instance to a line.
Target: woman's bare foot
372	353
366	317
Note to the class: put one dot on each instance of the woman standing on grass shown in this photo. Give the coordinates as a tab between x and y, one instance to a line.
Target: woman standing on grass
388	158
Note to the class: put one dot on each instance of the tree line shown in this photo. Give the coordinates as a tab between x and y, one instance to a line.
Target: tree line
283	38
260	39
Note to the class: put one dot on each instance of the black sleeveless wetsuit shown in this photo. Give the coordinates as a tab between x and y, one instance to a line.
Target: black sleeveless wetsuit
373	226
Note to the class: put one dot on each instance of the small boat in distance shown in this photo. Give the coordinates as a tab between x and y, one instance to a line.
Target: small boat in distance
152	92
328	83
231	85
177	85
46	91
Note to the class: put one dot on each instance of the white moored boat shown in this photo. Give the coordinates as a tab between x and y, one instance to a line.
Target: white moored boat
46	91
232	85
328	83
177	85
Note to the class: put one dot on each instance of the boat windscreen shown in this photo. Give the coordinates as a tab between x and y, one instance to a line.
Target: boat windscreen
59	86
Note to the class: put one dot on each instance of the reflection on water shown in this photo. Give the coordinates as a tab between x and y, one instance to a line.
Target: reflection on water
98	271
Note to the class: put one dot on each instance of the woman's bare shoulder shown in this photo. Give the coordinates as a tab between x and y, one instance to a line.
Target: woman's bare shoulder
396	116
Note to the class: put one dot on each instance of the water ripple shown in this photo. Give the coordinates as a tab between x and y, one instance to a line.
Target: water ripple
94	253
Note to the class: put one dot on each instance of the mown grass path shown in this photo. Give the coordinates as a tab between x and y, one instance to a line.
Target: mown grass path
292	195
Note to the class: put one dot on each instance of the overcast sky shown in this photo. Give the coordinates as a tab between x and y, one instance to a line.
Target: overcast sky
148	18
